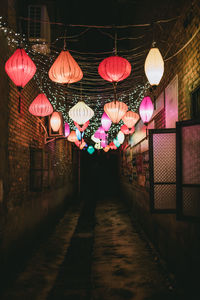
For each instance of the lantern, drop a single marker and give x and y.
(72, 137)
(81, 113)
(100, 133)
(20, 68)
(41, 106)
(146, 110)
(78, 134)
(55, 121)
(104, 143)
(116, 142)
(154, 66)
(115, 110)
(67, 129)
(112, 146)
(105, 122)
(124, 129)
(65, 69)
(83, 144)
(98, 146)
(106, 149)
(90, 150)
(114, 68)
(130, 118)
(77, 143)
(94, 139)
(120, 137)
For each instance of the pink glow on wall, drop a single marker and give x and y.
(105, 122)
(146, 110)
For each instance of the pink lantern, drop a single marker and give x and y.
(115, 110)
(100, 133)
(124, 129)
(105, 122)
(112, 146)
(41, 106)
(130, 118)
(103, 143)
(146, 110)
(67, 129)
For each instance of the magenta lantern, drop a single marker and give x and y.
(41, 107)
(105, 122)
(67, 129)
(100, 133)
(20, 68)
(104, 143)
(146, 110)
(114, 68)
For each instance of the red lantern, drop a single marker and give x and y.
(130, 118)
(20, 68)
(112, 146)
(65, 69)
(41, 106)
(114, 69)
(146, 110)
(115, 110)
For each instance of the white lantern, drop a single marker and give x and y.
(95, 139)
(55, 121)
(81, 113)
(98, 146)
(154, 66)
(120, 137)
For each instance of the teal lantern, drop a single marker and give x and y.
(90, 150)
(117, 143)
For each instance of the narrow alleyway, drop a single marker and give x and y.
(95, 252)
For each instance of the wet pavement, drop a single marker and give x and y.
(96, 252)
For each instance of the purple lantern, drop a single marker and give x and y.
(105, 122)
(100, 133)
(67, 129)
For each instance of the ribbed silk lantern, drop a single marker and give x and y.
(41, 106)
(154, 66)
(114, 68)
(65, 69)
(20, 68)
(72, 137)
(115, 110)
(67, 129)
(55, 121)
(81, 113)
(146, 110)
(120, 137)
(106, 122)
(130, 118)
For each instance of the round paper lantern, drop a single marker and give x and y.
(90, 150)
(81, 113)
(115, 110)
(106, 149)
(120, 137)
(146, 110)
(65, 69)
(130, 118)
(41, 106)
(67, 129)
(105, 122)
(114, 68)
(55, 121)
(72, 137)
(20, 68)
(154, 66)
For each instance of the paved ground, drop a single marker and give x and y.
(94, 253)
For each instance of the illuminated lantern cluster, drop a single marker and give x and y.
(130, 118)
(65, 69)
(114, 68)
(41, 106)
(146, 110)
(154, 66)
(55, 121)
(115, 110)
(20, 68)
(81, 113)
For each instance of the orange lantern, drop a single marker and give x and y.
(55, 121)
(65, 69)
(72, 137)
(130, 118)
(106, 149)
(115, 110)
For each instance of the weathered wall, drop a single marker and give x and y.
(177, 241)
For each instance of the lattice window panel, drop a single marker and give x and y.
(166, 192)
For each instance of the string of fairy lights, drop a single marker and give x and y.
(94, 90)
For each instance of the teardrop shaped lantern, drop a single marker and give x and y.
(72, 137)
(130, 118)
(154, 66)
(20, 68)
(55, 121)
(105, 122)
(81, 113)
(67, 129)
(115, 110)
(120, 137)
(114, 68)
(41, 106)
(65, 69)
(146, 110)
